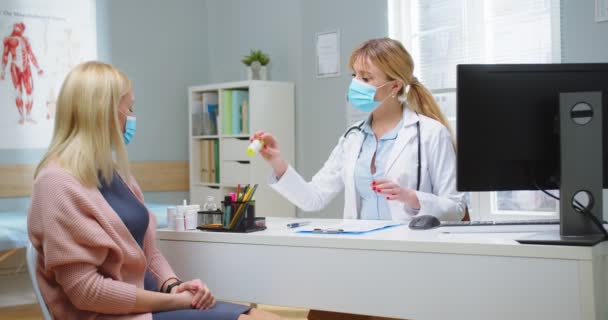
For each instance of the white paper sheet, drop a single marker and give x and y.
(328, 54)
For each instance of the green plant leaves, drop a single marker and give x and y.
(256, 55)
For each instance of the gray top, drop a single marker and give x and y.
(130, 210)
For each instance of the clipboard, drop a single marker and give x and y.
(351, 227)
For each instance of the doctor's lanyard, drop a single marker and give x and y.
(359, 128)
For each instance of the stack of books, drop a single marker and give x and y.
(204, 114)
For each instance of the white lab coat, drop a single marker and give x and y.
(437, 194)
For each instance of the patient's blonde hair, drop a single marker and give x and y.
(87, 128)
(391, 57)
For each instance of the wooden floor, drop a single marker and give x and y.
(31, 312)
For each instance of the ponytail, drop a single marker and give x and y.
(420, 100)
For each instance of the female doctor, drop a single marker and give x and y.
(398, 163)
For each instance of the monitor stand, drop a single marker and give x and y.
(581, 170)
(554, 238)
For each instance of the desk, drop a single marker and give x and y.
(397, 272)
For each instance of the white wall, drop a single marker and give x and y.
(162, 47)
(583, 39)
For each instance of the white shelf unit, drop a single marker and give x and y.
(271, 109)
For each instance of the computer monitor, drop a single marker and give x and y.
(508, 126)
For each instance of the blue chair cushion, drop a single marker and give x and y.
(13, 230)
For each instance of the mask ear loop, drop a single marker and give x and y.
(392, 95)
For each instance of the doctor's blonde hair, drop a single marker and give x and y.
(391, 57)
(87, 130)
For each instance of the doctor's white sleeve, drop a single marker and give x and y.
(444, 201)
(316, 194)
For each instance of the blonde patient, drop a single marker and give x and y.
(94, 237)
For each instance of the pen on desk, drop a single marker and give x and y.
(244, 192)
(297, 224)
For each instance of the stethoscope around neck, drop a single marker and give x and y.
(359, 128)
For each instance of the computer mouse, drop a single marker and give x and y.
(424, 222)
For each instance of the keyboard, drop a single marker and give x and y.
(498, 222)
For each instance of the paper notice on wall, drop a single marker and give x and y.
(328, 54)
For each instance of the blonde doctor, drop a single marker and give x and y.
(397, 164)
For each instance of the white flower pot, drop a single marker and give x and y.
(260, 73)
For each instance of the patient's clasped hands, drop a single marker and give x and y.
(196, 293)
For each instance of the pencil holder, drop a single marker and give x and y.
(242, 215)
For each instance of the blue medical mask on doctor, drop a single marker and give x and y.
(361, 95)
(127, 136)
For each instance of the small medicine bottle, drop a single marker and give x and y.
(254, 147)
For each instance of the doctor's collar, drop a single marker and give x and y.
(409, 116)
(391, 134)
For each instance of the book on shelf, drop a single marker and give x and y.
(197, 115)
(227, 112)
(204, 113)
(210, 103)
(216, 160)
(245, 117)
(209, 160)
(204, 161)
(238, 98)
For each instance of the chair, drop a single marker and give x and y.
(466, 217)
(31, 257)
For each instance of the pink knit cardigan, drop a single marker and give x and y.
(89, 265)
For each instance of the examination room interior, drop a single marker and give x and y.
(166, 47)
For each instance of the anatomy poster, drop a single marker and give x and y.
(41, 42)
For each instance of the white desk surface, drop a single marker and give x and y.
(476, 240)
(398, 272)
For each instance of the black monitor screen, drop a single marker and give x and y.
(508, 126)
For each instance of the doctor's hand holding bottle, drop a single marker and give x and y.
(271, 152)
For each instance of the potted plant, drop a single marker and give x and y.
(256, 62)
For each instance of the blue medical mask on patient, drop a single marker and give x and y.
(361, 95)
(127, 136)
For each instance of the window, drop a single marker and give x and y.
(441, 34)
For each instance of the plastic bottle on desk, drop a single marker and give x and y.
(171, 212)
(180, 222)
(210, 206)
(180, 217)
(192, 216)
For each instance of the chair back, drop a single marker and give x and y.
(466, 217)
(32, 258)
